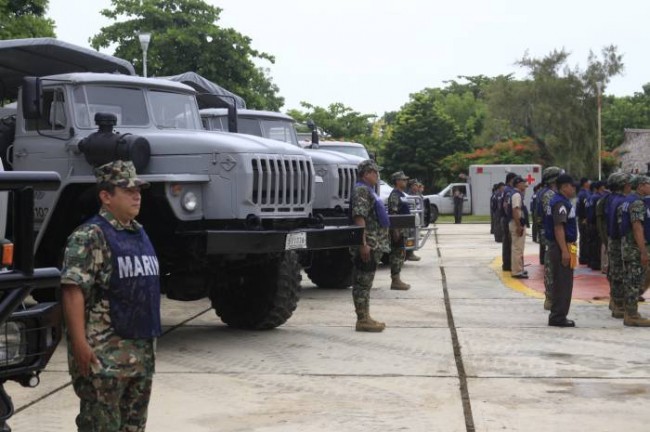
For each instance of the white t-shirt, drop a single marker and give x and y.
(516, 200)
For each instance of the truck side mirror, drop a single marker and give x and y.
(31, 98)
(314, 133)
(232, 118)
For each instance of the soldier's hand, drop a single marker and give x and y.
(566, 258)
(644, 259)
(520, 231)
(365, 253)
(84, 357)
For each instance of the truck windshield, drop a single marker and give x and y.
(351, 150)
(278, 130)
(169, 110)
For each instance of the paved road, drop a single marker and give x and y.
(483, 360)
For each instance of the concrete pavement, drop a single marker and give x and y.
(466, 354)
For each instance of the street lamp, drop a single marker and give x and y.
(599, 86)
(145, 38)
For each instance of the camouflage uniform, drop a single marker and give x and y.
(633, 272)
(115, 396)
(548, 265)
(397, 255)
(363, 204)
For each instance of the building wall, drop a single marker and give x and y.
(634, 153)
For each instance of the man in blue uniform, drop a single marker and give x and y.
(581, 210)
(560, 229)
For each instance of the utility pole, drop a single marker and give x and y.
(144, 38)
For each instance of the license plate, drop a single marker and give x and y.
(296, 240)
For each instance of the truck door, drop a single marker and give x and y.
(40, 145)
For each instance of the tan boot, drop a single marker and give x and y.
(412, 257)
(548, 303)
(398, 284)
(370, 325)
(634, 319)
(617, 307)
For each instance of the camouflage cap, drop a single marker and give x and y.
(619, 179)
(120, 173)
(551, 174)
(368, 165)
(639, 180)
(399, 175)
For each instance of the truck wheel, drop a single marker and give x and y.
(331, 269)
(259, 298)
(434, 214)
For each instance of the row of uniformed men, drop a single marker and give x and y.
(616, 215)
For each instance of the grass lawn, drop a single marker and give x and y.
(442, 219)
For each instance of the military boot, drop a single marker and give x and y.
(398, 285)
(548, 303)
(366, 324)
(411, 256)
(617, 307)
(634, 319)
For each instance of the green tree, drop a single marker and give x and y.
(628, 112)
(186, 37)
(422, 135)
(556, 106)
(25, 19)
(336, 121)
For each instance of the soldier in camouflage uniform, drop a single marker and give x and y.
(549, 176)
(616, 271)
(634, 225)
(397, 236)
(111, 303)
(415, 189)
(369, 212)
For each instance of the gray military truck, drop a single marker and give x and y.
(29, 333)
(228, 214)
(336, 174)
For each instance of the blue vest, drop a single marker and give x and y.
(581, 205)
(625, 225)
(506, 202)
(134, 291)
(591, 207)
(403, 207)
(615, 200)
(570, 228)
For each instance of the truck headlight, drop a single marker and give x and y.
(12, 345)
(189, 201)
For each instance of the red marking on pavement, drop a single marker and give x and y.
(587, 284)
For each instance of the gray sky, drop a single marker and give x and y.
(371, 54)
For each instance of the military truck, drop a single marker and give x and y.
(335, 176)
(29, 333)
(228, 214)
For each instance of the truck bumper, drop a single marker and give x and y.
(396, 221)
(262, 242)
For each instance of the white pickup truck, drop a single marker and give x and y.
(478, 189)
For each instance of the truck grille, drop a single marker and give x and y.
(347, 178)
(282, 183)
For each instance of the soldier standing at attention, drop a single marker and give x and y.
(504, 204)
(397, 206)
(635, 236)
(616, 271)
(517, 225)
(561, 231)
(415, 190)
(111, 303)
(581, 208)
(368, 211)
(550, 176)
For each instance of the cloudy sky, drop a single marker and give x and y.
(371, 54)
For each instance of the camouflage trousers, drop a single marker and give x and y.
(548, 269)
(633, 283)
(396, 259)
(112, 404)
(615, 270)
(363, 274)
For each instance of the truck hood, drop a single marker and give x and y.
(181, 142)
(320, 157)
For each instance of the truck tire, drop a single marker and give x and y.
(7, 134)
(259, 298)
(434, 213)
(331, 269)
